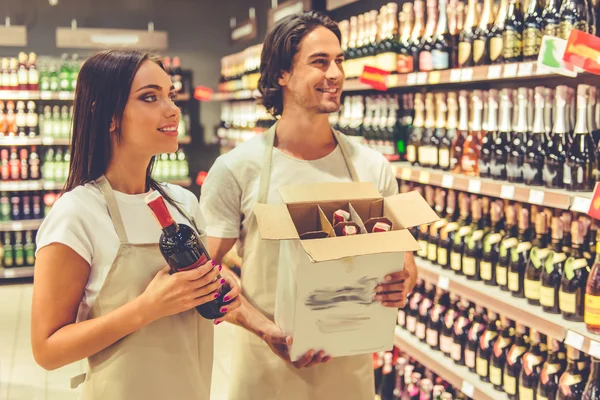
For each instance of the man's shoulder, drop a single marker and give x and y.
(247, 156)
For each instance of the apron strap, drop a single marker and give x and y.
(77, 380)
(263, 186)
(113, 208)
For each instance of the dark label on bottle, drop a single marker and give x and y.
(464, 53)
(405, 64)
(514, 169)
(425, 61)
(532, 40)
(532, 174)
(478, 50)
(441, 59)
(496, 46)
(512, 44)
(484, 167)
(553, 173)
(552, 29)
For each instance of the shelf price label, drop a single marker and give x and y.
(9, 273)
(434, 77)
(443, 283)
(447, 181)
(494, 72)
(466, 75)
(510, 70)
(411, 79)
(422, 78)
(474, 186)
(455, 75)
(536, 197)
(525, 69)
(17, 226)
(594, 349)
(424, 177)
(65, 95)
(406, 174)
(507, 192)
(581, 204)
(574, 340)
(467, 388)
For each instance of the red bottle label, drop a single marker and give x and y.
(405, 64)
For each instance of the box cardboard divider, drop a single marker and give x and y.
(326, 285)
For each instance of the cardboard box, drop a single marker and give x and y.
(326, 286)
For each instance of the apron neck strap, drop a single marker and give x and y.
(265, 175)
(113, 208)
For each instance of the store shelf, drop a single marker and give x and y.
(181, 182)
(37, 95)
(25, 225)
(238, 95)
(16, 272)
(21, 186)
(561, 199)
(573, 333)
(33, 141)
(458, 376)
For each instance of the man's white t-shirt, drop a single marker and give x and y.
(231, 187)
(80, 219)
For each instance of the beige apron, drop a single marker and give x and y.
(257, 373)
(171, 358)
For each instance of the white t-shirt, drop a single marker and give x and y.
(231, 187)
(80, 219)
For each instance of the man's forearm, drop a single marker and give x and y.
(249, 318)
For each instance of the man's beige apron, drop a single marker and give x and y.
(257, 373)
(171, 358)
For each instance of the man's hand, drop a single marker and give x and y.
(393, 292)
(279, 344)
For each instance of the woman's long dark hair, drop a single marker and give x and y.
(103, 87)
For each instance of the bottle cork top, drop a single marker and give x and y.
(577, 232)
(524, 219)
(541, 223)
(557, 228)
(511, 215)
(476, 209)
(496, 211)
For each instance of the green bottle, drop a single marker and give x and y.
(19, 250)
(8, 251)
(29, 249)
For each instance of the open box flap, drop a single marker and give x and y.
(409, 209)
(275, 222)
(329, 249)
(331, 191)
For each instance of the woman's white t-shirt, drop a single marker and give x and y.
(231, 187)
(80, 219)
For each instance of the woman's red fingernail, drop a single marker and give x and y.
(216, 295)
(217, 322)
(220, 267)
(213, 262)
(224, 310)
(223, 281)
(226, 298)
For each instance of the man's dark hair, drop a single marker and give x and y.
(279, 48)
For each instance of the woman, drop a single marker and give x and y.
(101, 288)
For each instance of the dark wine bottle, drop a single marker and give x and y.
(573, 15)
(405, 61)
(477, 329)
(553, 270)
(514, 362)
(491, 245)
(448, 159)
(551, 18)
(572, 382)
(496, 35)
(507, 244)
(488, 143)
(551, 371)
(434, 229)
(536, 144)
(481, 55)
(461, 329)
(556, 152)
(516, 157)
(427, 153)
(473, 244)
(537, 258)
(417, 33)
(183, 251)
(592, 388)
(485, 347)
(532, 31)
(462, 132)
(592, 294)
(502, 146)
(467, 37)
(574, 279)
(447, 334)
(519, 256)
(439, 133)
(512, 36)
(502, 344)
(458, 245)
(424, 308)
(412, 314)
(414, 139)
(436, 318)
(447, 232)
(533, 360)
(427, 42)
(442, 40)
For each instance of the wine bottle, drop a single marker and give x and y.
(427, 153)
(386, 58)
(488, 144)
(481, 55)
(458, 245)
(447, 333)
(403, 313)
(536, 144)
(424, 308)
(29, 249)
(592, 294)
(183, 251)
(473, 244)
(477, 329)
(533, 360)
(9, 253)
(502, 146)
(573, 15)
(537, 258)
(447, 232)
(388, 377)
(412, 314)
(574, 278)
(532, 31)
(437, 140)
(448, 161)
(592, 388)
(551, 18)
(502, 344)
(472, 146)
(442, 41)
(456, 16)
(467, 37)
(417, 33)
(507, 244)
(485, 347)
(512, 35)
(462, 132)
(491, 245)
(516, 157)
(461, 329)
(551, 371)
(351, 68)
(405, 61)
(427, 42)
(423, 237)
(519, 256)
(514, 362)
(566, 219)
(556, 151)
(434, 229)
(414, 140)
(436, 318)
(581, 157)
(572, 382)
(496, 35)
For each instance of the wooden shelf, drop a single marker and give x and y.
(458, 376)
(24, 225)
(70, 96)
(239, 95)
(561, 199)
(21, 186)
(34, 141)
(16, 272)
(491, 297)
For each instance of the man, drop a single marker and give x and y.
(301, 82)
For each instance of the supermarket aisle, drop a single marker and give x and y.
(22, 379)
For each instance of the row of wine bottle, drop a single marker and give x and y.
(522, 362)
(532, 253)
(400, 377)
(455, 35)
(535, 136)
(17, 249)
